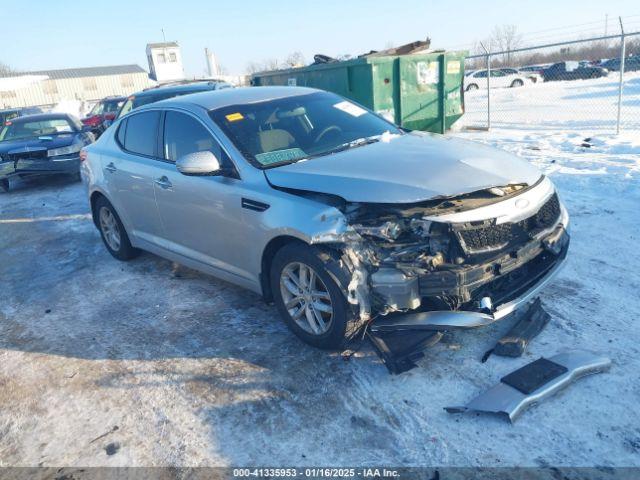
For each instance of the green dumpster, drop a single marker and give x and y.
(420, 91)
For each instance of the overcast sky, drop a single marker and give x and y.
(64, 34)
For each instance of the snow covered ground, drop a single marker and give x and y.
(166, 366)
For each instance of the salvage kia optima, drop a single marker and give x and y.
(341, 218)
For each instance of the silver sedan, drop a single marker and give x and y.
(339, 217)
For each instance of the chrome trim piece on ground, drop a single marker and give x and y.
(503, 399)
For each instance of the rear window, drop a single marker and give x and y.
(18, 129)
(141, 134)
(134, 102)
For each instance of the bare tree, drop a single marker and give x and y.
(505, 38)
(271, 64)
(254, 67)
(4, 69)
(294, 59)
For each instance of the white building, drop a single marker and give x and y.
(165, 61)
(49, 87)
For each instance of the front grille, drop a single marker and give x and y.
(475, 239)
(34, 155)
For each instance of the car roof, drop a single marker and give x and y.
(233, 96)
(177, 89)
(113, 99)
(40, 116)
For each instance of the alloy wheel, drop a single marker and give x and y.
(110, 229)
(306, 298)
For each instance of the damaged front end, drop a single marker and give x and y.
(450, 263)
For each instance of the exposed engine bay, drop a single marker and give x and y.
(403, 258)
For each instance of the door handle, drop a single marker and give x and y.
(111, 167)
(163, 182)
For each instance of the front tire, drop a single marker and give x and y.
(472, 87)
(517, 83)
(308, 298)
(112, 231)
(4, 185)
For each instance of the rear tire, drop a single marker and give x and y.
(112, 231)
(517, 83)
(4, 185)
(308, 298)
(471, 87)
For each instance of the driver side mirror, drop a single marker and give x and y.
(199, 163)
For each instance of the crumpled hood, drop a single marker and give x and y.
(32, 144)
(407, 169)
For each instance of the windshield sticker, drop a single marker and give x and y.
(234, 117)
(350, 108)
(280, 156)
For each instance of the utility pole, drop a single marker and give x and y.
(488, 86)
(621, 85)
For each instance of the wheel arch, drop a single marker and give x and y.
(330, 255)
(269, 251)
(93, 199)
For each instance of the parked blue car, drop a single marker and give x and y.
(9, 113)
(42, 144)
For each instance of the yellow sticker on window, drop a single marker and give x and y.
(234, 117)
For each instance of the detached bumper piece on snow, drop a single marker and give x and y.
(534, 382)
(514, 343)
(400, 349)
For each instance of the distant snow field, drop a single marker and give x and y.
(587, 106)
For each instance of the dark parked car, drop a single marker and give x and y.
(105, 109)
(156, 94)
(48, 143)
(572, 71)
(9, 113)
(631, 64)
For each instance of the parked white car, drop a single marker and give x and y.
(500, 78)
(533, 77)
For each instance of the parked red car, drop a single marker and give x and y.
(105, 109)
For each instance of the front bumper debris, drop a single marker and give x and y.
(515, 342)
(400, 349)
(422, 325)
(534, 382)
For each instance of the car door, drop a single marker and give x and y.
(499, 79)
(129, 174)
(201, 215)
(480, 78)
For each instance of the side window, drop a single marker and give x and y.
(183, 134)
(142, 133)
(482, 74)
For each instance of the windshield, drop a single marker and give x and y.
(17, 130)
(285, 130)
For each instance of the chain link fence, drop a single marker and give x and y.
(591, 85)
